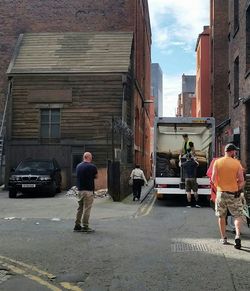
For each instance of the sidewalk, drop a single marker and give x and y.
(63, 206)
(144, 192)
(105, 207)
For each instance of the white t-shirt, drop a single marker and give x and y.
(138, 174)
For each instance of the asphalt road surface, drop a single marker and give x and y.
(156, 245)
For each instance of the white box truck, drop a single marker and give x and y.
(168, 143)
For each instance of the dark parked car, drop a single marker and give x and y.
(35, 176)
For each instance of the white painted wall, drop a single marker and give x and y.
(174, 142)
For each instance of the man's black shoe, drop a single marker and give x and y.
(237, 243)
(78, 228)
(87, 229)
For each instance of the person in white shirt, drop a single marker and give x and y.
(139, 179)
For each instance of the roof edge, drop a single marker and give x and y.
(15, 53)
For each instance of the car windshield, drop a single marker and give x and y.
(39, 166)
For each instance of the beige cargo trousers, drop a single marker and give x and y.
(85, 201)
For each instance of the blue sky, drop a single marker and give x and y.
(175, 26)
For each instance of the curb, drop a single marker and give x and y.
(147, 190)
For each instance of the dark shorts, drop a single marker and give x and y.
(191, 184)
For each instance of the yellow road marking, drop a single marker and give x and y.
(13, 268)
(69, 286)
(32, 277)
(20, 271)
(33, 268)
(42, 282)
(146, 209)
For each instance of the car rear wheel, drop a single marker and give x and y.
(12, 193)
(53, 189)
(58, 189)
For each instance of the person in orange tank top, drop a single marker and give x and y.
(227, 176)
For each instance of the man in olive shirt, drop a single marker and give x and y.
(228, 178)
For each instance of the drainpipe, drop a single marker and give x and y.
(124, 84)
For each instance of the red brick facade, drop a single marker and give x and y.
(230, 46)
(219, 59)
(203, 88)
(219, 69)
(239, 107)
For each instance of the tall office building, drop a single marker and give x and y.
(156, 84)
(186, 105)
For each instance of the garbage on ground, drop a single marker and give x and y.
(73, 192)
(101, 193)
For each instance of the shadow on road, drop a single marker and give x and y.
(180, 201)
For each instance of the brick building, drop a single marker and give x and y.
(53, 16)
(239, 77)
(230, 43)
(219, 70)
(203, 88)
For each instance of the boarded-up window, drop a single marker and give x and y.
(50, 123)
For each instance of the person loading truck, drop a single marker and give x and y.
(188, 146)
(189, 172)
(171, 143)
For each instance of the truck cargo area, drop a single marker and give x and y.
(168, 143)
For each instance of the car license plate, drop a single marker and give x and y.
(28, 185)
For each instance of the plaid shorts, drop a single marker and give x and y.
(225, 201)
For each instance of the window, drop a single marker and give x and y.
(248, 39)
(236, 80)
(236, 15)
(50, 123)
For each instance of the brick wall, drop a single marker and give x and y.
(239, 111)
(203, 86)
(219, 59)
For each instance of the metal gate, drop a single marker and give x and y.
(114, 180)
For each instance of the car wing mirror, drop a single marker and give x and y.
(12, 170)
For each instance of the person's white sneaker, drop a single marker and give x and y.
(223, 241)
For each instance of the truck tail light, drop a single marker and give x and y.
(204, 186)
(161, 186)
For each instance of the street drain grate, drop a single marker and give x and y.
(185, 247)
